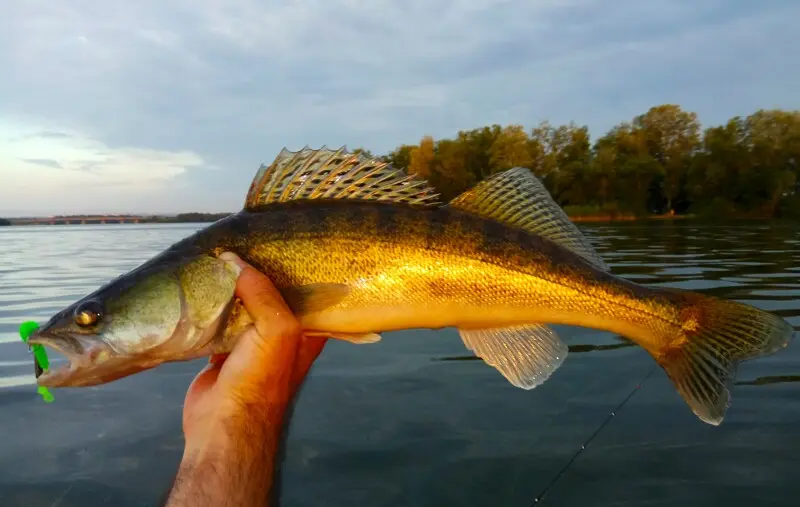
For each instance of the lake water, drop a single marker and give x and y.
(405, 422)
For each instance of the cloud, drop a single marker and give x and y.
(45, 134)
(234, 82)
(47, 162)
(79, 172)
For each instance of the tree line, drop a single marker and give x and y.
(660, 162)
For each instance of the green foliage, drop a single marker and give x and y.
(363, 151)
(659, 162)
(3, 222)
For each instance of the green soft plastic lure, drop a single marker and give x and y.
(39, 352)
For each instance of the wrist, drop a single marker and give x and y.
(232, 462)
(237, 433)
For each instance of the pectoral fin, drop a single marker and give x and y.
(525, 355)
(314, 297)
(358, 338)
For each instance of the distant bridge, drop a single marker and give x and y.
(78, 219)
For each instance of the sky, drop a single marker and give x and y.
(113, 106)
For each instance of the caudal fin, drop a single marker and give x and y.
(716, 335)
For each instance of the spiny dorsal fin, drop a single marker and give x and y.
(334, 174)
(516, 197)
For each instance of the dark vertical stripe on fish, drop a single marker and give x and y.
(386, 222)
(437, 223)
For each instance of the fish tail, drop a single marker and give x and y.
(715, 336)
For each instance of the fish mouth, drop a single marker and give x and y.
(83, 357)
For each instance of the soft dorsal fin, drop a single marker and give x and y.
(516, 197)
(334, 174)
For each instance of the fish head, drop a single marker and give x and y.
(165, 310)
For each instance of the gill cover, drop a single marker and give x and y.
(163, 308)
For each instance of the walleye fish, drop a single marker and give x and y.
(357, 248)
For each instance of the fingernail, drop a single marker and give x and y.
(233, 261)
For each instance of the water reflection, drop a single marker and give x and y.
(573, 349)
(762, 381)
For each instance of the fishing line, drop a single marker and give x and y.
(613, 413)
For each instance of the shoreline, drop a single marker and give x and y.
(575, 218)
(580, 218)
(627, 218)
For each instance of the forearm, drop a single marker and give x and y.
(234, 467)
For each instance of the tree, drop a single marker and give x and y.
(635, 169)
(572, 182)
(421, 159)
(476, 145)
(451, 175)
(511, 148)
(716, 175)
(363, 151)
(671, 137)
(400, 157)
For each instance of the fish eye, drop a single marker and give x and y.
(88, 314)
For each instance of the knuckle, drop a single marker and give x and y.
(281, 327)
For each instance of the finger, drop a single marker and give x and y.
(278, 329)
(270, 378)
(264, 356)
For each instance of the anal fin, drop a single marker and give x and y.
(525, 355)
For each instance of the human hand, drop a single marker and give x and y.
(238, 396)
(235, 408)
